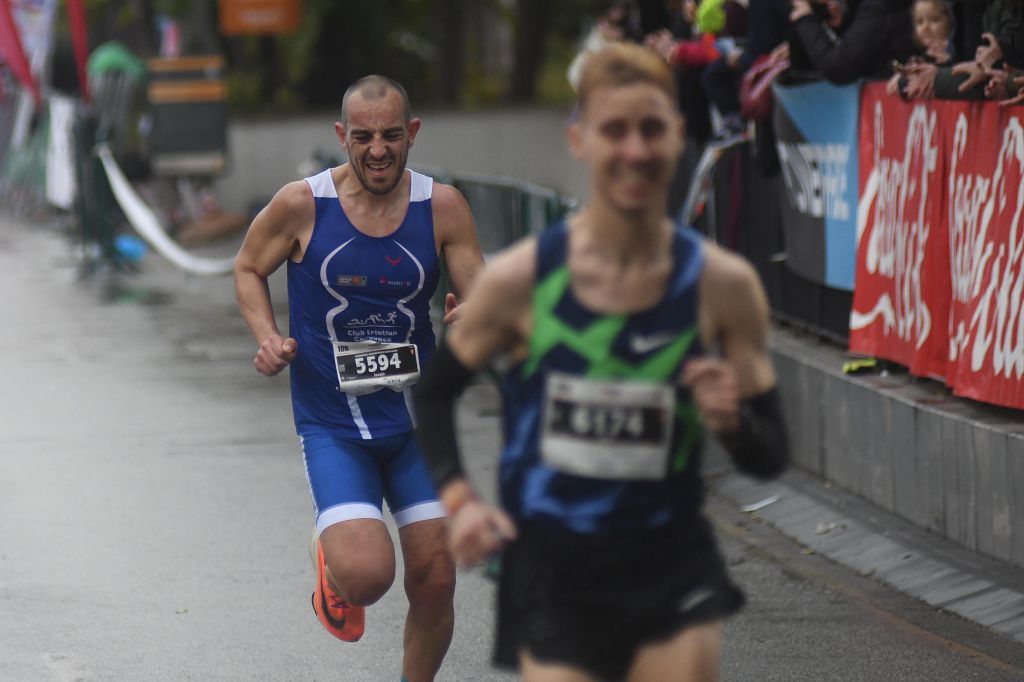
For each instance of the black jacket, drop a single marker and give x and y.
(874, 34)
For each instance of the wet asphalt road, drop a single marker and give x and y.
(154, 513)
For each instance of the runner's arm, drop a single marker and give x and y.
(493, 320)
(457, 239)
(271, 239)
(737, 393)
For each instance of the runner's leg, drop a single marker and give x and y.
(346, 482)
(360, 559)
(693, 655)
(429, 570)
(430, 586)
(535, 671)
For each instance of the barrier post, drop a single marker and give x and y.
(95, 204)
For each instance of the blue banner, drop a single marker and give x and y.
(817, 128)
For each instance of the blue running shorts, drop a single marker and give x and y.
(349, 479)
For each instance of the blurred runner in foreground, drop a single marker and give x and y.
(628, 335)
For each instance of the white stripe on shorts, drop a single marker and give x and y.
(424, 511)
(346, 512)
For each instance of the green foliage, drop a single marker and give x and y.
(342, 40)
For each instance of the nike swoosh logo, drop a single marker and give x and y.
(340, 624)
(645, 344)
(695, 598)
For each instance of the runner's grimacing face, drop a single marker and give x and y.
(377, 139)
(630, 137)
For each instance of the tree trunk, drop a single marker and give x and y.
(451, 21)
(531, 36)
(148, 41)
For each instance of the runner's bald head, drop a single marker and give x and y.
(375, 87)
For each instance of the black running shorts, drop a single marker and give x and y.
(592, 601)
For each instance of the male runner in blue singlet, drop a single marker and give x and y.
(363, 242)
(610, 570)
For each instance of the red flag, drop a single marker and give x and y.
(13, 52)
(80, 40)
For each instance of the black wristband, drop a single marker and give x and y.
(760, 445)
(434, 398)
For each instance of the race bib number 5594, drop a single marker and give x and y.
(368, 367)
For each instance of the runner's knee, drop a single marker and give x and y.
(359, 571)
(431, 580)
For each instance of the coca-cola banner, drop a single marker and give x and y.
(940, 249)
(816, 136)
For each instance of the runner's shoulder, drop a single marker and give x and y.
(291, 206)
(446, 200)
(727, 273)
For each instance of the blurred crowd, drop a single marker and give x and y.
(723, 49)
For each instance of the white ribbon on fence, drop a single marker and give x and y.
(147, 224)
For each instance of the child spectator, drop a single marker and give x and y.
(1002, 47)
(933, 32)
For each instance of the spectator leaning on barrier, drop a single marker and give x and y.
(933, 32)
(854, 39)
(991, 74)
(720, 29)
(766, 28)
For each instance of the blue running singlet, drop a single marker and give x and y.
(351, 293)
(600, 438)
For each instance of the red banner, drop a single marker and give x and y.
(940, 255)
(13, 52)
(80, 43)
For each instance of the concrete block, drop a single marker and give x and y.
(983, 447)
(835, 430)
(956, 588)
(808, 450)
(950, 478)
(929, 468)
(908, 501)
(1015, 469)
(995, 444)
(966, 489)
(989, 608)
(858, 401)
(879, 485)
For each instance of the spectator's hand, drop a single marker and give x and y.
(609, 30)
(921, 80)
(1017, 81)
(275, 354)
(733, 59)
(975, 75)
(988, 55)
(478, 530)
(801, 9)
(939, 51)
(892, 87)
(996, 88)
(662, 42)
(836, 12)
(780, 53)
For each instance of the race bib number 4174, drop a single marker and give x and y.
(607, 429)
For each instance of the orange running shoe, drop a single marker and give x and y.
(340, 618)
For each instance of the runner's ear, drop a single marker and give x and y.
(575, 135)
(413, 128)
